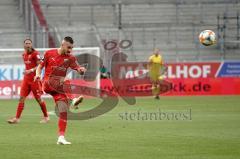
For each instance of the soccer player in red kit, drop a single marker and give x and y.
(31, 59)
(56, 63)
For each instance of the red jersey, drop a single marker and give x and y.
(57, 65)
(31, 61)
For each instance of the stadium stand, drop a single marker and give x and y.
(12, 31)
(171, 25)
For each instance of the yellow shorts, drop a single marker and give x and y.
(155, 76)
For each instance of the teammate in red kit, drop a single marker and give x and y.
(31, 59)
(56, 63)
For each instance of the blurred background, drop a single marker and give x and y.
(141, 25)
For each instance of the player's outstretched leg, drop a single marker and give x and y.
(68, 91)
(20, 108)
(77, 101)
(62, 122)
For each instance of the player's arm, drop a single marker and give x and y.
(41, 64)
(81, 70)
(37, 59)
(163, 68)
(75, 66)
(32, 69)
(38, 72)
(29, 71)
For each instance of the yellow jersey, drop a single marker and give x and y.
(156, 63)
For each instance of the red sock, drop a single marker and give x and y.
(62, 123)
(44, 109)
(19, 110)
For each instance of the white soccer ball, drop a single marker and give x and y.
(207, 37)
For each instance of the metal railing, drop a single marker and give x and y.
(39, 34)
(32, 24)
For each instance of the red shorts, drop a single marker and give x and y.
(56, 91)
(28, 86)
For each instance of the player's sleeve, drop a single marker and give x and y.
(150, 59)
(74, 64)
(37, 57)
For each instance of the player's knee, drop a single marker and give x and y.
(62, 106)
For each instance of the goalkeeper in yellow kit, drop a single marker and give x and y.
(156, 72)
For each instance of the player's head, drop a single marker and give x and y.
(67, 45)
(156, 51)
(28, 45)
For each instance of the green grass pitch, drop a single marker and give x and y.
(196, 128)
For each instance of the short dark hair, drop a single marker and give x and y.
(27, 39)
(68, 39)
